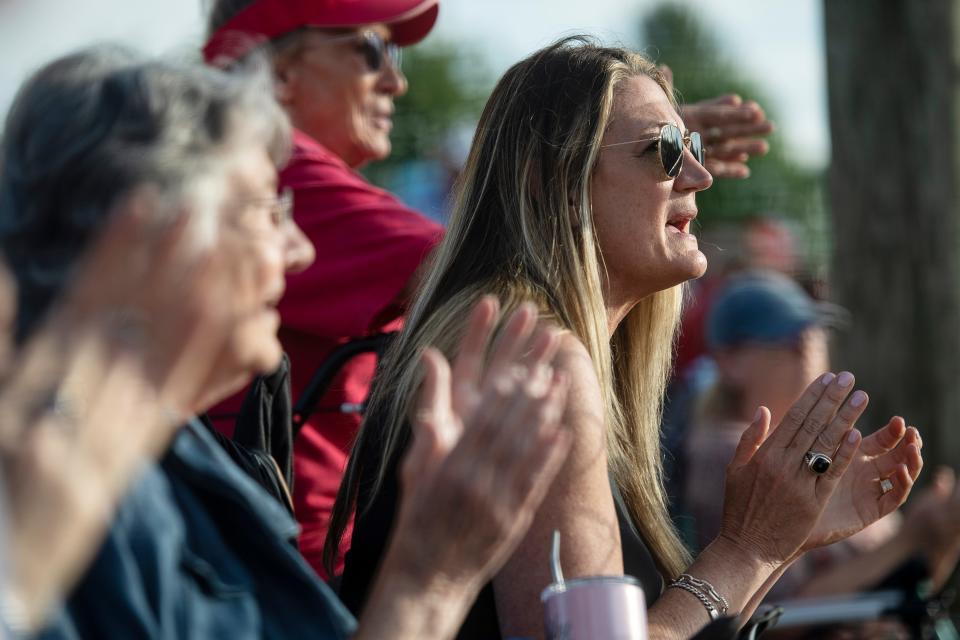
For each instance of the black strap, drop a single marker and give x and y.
(264, 421)
(306, 404)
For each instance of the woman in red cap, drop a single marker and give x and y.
(337, 73)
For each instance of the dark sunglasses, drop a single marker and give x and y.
(670, 143)
(374, 49)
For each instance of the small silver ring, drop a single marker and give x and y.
(886, 486)
(819, 463)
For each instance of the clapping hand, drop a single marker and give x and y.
(877, 482)
(487, 442)
(813, 480)
(98, 389)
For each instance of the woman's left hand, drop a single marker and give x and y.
(891, 453)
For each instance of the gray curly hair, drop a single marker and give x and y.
(90, 127)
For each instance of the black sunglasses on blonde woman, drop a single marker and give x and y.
(670, 142)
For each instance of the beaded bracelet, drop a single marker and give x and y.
(711, 610)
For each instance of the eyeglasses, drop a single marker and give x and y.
(671, 142)
(374, 49)
(279, 207)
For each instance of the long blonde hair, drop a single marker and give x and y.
(522, 229)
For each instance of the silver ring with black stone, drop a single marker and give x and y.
(819, 463)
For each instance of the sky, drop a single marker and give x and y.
(779, 43)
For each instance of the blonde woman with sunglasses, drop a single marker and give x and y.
(579, 193)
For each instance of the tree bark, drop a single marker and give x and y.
(893, 200)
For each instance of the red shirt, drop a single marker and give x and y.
(368, 244)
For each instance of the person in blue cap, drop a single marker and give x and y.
(767, 341)
(768, 338)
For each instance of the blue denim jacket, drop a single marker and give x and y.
(198, 550)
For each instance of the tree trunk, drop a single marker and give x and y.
(893, 191)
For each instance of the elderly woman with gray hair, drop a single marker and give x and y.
(182, 160)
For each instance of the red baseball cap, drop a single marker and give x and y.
(409, 20)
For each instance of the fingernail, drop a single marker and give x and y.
(756, 416)
(859, 397)
(827, 379)
(852, 436)
(845, 379)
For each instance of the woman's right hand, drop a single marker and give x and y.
(488, 441)
(773, 500)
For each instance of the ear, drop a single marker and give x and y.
(286, 78)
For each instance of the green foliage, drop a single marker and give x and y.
(675, 36)
(449, 85)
